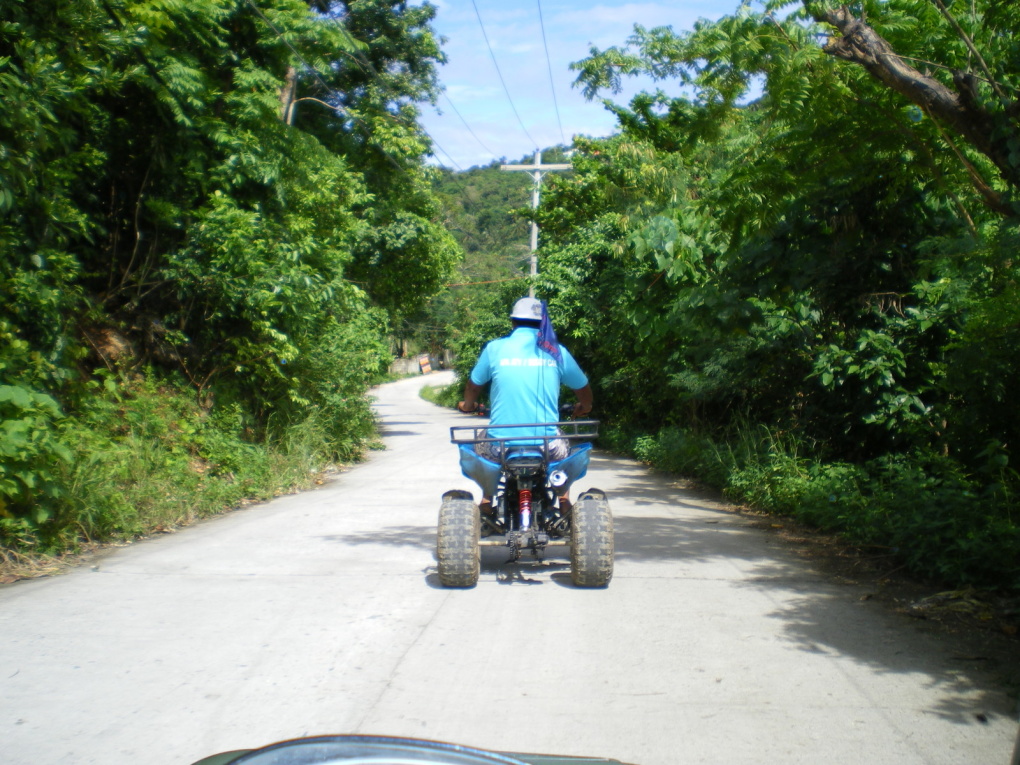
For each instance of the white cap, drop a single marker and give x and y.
(528, 309)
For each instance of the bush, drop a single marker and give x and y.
(939, 521)
(443, 395)
(148, 456)
(142, 454)
(336, 372)
(31, 456)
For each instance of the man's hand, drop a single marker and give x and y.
(585, 401)
(470, 403)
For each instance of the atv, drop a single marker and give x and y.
(526, 514)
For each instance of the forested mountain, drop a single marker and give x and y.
(799, 281)
(210, 213)
(487, 210)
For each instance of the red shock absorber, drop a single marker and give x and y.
(525, 500)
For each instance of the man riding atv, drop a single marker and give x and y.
(526, 369)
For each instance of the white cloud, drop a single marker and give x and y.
(462, 93)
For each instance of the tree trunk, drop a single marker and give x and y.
(287, 97)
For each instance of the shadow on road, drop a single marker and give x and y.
(816, 621)
(817, 614)
(420, 537)
(494, 560)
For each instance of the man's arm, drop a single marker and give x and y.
(585, 400)
(472, 390)
(470, 402)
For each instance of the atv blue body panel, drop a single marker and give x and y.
(485, 472)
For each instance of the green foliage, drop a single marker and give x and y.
(348, 357)
(828, 262)
(141, 455)
(484, 209)
(31, 454)
(479, 208)
(487, 212)
(402, 256)
(147, 457)
(229, 194)
(404, 260)
(492, 321)
(921, 507)
(447, 395)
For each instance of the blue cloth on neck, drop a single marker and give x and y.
(547, 335)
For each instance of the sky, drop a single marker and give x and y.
(514, 30)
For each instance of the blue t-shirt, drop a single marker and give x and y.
(525, 382)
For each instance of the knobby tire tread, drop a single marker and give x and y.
(591, 548)
(457, 549)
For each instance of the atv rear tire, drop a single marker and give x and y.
(457, 544)
(591, 543)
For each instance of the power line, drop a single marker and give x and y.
(505, 89)
(493, 281)
(472, 132)
(548, 62)
(360, 59)
(337, 107)
(452, 160)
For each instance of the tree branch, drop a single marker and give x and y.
(960, 109)
(971, 47)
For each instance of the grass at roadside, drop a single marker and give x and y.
(936, 521)
(144, 457)
(441, 395)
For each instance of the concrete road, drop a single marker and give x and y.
(321, 613)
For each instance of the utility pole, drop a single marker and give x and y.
(536, 170)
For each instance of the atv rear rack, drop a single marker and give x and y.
(570, 430)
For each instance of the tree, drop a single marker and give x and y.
(202, 225)
(824, 261)
(403, 256)
(980, 104)
(197, 190)
(969, 87)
